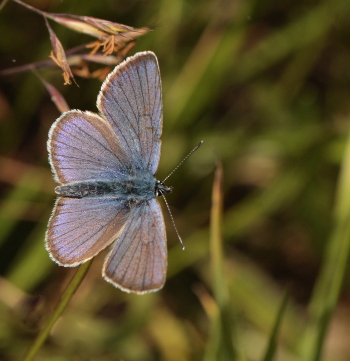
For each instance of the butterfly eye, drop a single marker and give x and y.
(161, 189)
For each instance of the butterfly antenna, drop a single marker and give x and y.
(172, 219)
(192, 151)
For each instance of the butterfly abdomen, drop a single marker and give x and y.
(141, 188)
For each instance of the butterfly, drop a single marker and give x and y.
(105, 164)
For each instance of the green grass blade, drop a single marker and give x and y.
(66, 297)
(221, 346)
(272, 344)
(328, 286)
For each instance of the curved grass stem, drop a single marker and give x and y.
(62, 304)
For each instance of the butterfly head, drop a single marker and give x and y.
(161, 188)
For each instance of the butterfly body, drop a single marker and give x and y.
(138, 187)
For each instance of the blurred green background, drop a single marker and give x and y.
(266, 85)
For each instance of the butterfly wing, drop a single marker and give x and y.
(80, 228)
(138, 260)
(83, 146)
(131, 101)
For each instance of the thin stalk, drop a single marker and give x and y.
(330, 280)
(272, 345)
(62, 304)
(43, 13)
(2, 5)
(221, 345)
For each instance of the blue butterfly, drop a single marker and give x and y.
(105, 164)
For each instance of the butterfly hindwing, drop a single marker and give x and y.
(80, 228)
(138, 260)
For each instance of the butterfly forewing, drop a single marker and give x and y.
(82, 146)
(138, 261)
(131, 101)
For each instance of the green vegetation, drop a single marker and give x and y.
(263, 206)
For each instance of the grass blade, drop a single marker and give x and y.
(66, 297)
(328, 286)
(272, 344)
(221, 346)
